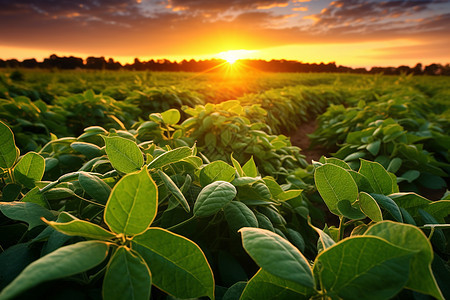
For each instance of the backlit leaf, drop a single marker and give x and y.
(178, 265)
(133, 203)
(124, 154)
(213, 198)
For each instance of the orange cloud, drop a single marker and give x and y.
(300, 8)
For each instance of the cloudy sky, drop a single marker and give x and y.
(353, 33)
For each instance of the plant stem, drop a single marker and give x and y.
(341, 227)
(182, 223)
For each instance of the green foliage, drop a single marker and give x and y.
(128, 204)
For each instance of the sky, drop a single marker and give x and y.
(356, 33)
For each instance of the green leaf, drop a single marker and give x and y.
(8, 150)
(349, 211)
(82, 228)
(29, 169)
(63, 262)
(174, 190)
(410, 201)
(87, 149)
(267, 286)
(11, 191)
(178, 265)
(127, 276)
(335, 184)
(124, 154)
(237, 166)
(95, 187)
(389, 205)
(439, 209)
(249, 168)
(325, 240)
(277, 256)
(361, 181)
(35, 196)
(363, 267)
(28, 212)
(379, 178)
(370, 207)
(409, 237)
(409, 176)
(133, 203)
(274, 187)
(213, 198)
(287, 195)
(374, 147)
(171, 116)
(394, 165)
(238, 215)
(170, 157)
(216, 171)
(337, 162)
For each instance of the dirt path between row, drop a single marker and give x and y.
(299, 138)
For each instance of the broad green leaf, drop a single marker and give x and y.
(335, 184)
(174, 190)
(170, 157)
(394, 165)
(277, 256)
(238, 215)
(29, 169)
(133, 203)
(35, 196)
(389, 205)
(274, 187)
(213, 198)
(82, 228)
(337, 162)
(235, 291)
(296, 239)
(374, 147)
(264, 221)
(241, 181)
(237, 166)
(267, 286)
(87, 149)
(171, 116)
(409, 176)
(273, 214)
(410, 201)
(350, 211)
(379, 178)
(124, 154)
(439, 209)
(362, 182)
(216, 171)
(409, 237)
(363, 267)
(178, 265)
(63, 262)
(127, 277)
(95, 187)
(370, 207)
(288, 195)
(8, 150)
(28, 212)
(249, 168)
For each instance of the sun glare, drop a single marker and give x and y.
(232, 56)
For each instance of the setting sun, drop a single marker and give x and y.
(232, 56)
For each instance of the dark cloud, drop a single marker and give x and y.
(220, 5)
(356, 12)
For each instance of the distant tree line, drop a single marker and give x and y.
(100, 63)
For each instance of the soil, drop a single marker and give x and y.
(299, 138)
